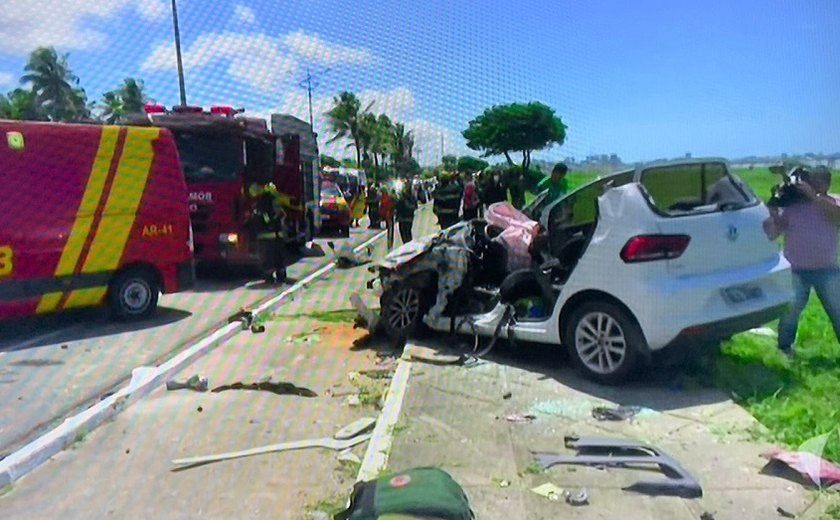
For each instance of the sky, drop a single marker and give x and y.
(644, 79)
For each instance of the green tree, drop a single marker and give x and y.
(20, 104)
(403, 150)
(55, 85)
(468, 164)
(345, 120)
(518, 127)
(130, 98)
(133, 95)
(328, 161)
(450, 163)
(112, 108)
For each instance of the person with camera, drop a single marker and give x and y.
(810, 223)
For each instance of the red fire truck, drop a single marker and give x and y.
(223, 155)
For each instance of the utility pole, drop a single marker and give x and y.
(178, 55)
(441, 148)
(310, 83)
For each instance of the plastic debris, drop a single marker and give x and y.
(518, 418)
(784, 513)
(581, 498)
(195, 383)
(549, 491)
(820, 471)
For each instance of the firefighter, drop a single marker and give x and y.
(268, 223)
(406, 206)
(447, 199)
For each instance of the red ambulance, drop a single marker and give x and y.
(91, 214)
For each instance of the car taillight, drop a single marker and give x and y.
(645, 248)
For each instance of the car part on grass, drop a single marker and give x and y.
(820, 471)
(580, 498)
(245, 317)
(594, 451)
(326, 442)
(346, 257)
(279, 388)
(619, 413)
(196, 383)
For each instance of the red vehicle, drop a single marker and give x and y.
(91, 214)
(335, 209)
(223, 155)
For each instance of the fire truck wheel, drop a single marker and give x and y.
(133, 294)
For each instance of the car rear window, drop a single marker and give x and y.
(692, 188)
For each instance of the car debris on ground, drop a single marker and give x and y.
(619, 413)
(818, 470)
(594, 451)
(195, 383)
(331, 443)
(346, 257)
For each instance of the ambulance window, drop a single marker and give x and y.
(206, 158)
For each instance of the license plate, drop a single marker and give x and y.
(742, 293)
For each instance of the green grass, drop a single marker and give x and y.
(338, 316)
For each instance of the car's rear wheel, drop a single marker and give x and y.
(402, 311)
(604, 342)
(133, 294)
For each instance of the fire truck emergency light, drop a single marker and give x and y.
(222, 110)
(152, 108)
(181, 109)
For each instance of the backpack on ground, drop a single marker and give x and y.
(422, 493)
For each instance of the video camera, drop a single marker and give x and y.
(786, 193)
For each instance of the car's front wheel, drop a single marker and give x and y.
(402, 311)
(604, 342)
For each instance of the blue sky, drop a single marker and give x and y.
(645, 80)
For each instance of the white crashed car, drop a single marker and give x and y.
(625, 267)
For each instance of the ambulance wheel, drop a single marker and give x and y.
(133, 294)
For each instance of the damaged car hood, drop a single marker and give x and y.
(419, 246)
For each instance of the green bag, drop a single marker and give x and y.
(422, 493)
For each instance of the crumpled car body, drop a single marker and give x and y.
(617, 274)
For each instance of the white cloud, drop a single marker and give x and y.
(78, 25)
(152, 10)
(6, 78)
(256, 60)
(313, 47)
(244, 14)
(427, 141)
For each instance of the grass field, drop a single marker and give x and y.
(795, 400)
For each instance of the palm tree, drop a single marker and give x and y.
(403, 148)
(20, 104)
(367, 137)
(53, 84)
(112, 108)
(345, 120)
(384, 140)
(133, 96)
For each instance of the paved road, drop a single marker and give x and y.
(123, 469)
(54, 365)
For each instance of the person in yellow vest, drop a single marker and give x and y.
(268, 223)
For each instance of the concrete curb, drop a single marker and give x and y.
(379, 448)
(143, 381)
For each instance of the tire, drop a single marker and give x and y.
(134, 294)
(596, 360)
(402, 311)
